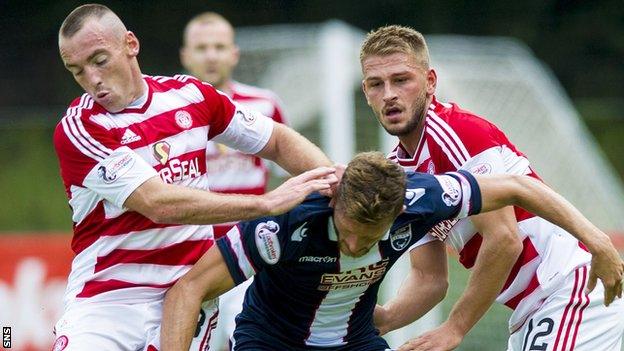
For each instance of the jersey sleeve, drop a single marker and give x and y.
(90, 157)
(430, 199)
(234, 125)
(251, 246)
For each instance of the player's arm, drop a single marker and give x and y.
(502, 246)
(498, 191)
(423, 288)
(208, 279)
(291, 151)
(167, 203)
(535, 197)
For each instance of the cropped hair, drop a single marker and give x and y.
(372, 189)
(393, 39)
(75, 20)
(206, 18)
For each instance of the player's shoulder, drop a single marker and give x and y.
(77, 116)
(312, 207)
(449, 115)
(178, 81)
(249, 91)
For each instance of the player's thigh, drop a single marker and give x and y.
(100, 327)
(206, 322)
(571, 320)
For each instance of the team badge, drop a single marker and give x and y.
(61, 343)
(183, 119)
(161, 151)
(267, 242)
(115, 168)
(401, 237)
(483, 168)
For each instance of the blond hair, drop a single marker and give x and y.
(393, 39)
(372, 189)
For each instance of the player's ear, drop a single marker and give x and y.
(132, 43)
(235, 55)
(403, 209)
(365, 95)
(432, 81)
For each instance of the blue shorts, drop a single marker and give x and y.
(250, 338)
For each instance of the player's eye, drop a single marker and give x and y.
(101, 60)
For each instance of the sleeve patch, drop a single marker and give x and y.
(267, 241)
(115, 168)
(451, 190)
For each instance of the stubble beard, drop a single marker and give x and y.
(420, 110)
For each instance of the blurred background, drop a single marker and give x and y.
(549, 73)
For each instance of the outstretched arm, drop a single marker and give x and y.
(166, 203)
(535, 197)
(208, 279)
(500, 244)
(423, 288)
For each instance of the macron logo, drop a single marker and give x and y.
(413, 195)
(299, 233)
(129, 137)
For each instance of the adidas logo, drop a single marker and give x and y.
(129, 137)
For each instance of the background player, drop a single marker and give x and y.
(132, 156)
(437, 137)
(209, 52)
(318, 268)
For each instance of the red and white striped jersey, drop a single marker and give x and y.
(231, 171)
(454, 138)
(121, 255)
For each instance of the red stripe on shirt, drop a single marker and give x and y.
(96, 287)
(184, 253)
(514, 301)
(528, 254)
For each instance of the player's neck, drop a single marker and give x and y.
(225, 87)
(411, 140)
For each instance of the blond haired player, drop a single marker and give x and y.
(518, 259)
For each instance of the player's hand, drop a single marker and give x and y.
(293, 191)
(607, 266)
(340, 169)
(380, 319)
(442, 338)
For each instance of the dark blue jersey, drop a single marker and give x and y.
(305, 293)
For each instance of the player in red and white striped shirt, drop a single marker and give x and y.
(210, 54)
(132, 157)
(534, 267)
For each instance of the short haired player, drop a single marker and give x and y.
(318, 267)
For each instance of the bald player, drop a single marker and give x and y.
(132, 155)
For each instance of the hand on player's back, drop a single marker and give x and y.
(293, 191)
(442, 338)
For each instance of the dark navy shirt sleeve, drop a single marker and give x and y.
(253, 245)
(430, 199)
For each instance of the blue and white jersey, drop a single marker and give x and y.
(306, 293)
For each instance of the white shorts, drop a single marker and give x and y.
(105, 326)
(569, 319)
(230, 305)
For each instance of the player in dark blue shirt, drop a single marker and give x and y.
(318, 267)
